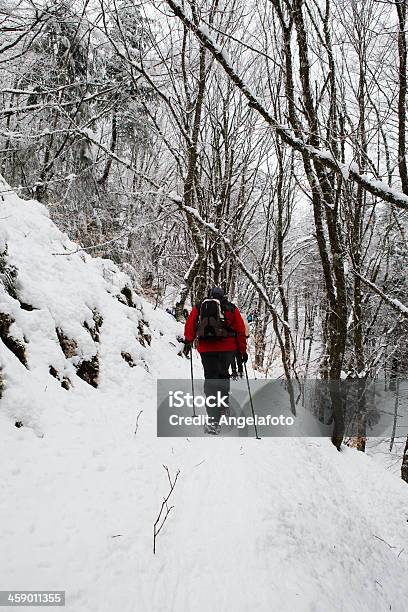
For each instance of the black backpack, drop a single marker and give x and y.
(211, 319)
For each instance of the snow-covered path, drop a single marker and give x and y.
(273, 526)
(287, 525)
(270, 524)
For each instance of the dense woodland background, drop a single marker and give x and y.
(256, 145)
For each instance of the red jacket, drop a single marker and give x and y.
(231, 343)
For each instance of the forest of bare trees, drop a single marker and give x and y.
(260, 146)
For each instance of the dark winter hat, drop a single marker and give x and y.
(217, 293)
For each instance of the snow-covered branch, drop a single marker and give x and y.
(376, 188)
(392, 302)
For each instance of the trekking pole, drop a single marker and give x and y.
(250, 399)
(192, 379)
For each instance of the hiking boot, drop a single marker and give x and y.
(212, 428)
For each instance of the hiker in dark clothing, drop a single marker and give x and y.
(237, 366)
(218, 329)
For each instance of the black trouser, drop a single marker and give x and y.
(239, 361)
(237, 364)
(216, 373)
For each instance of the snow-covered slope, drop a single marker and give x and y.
(276, 524)
(73, 320)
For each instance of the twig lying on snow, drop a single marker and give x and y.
(137, 422)
(157, 527)
(378, 538)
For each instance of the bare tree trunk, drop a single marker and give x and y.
(322, 185)
(186, 287)
(114, 137)
(404, 466)
(394, 424)
(189, 194)
(357, 214)
(401, 6)
(280, 237)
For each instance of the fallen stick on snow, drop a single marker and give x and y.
(137, 422)
(164, 506)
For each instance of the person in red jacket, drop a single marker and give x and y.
(216, 351)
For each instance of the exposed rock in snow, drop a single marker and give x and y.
(66, 318)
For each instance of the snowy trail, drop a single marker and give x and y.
(260, 535)
(279, 510)
(254, 522)
(288, 525)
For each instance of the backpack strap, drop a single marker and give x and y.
(198, 306)
(225, 305)
(229, 307)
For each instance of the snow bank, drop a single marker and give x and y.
(77, 323)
